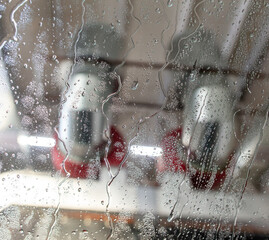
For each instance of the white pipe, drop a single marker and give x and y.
(236, 27)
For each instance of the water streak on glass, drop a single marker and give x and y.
(4, 40)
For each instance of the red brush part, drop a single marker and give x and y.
(84, 170)
(117, 148)
(171, 162)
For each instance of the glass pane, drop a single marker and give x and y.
(134, 119)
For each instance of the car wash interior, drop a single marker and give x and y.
(132, 119)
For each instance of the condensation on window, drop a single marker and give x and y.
(134, 119)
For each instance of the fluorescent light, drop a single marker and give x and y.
(36, 141)
(146, 151)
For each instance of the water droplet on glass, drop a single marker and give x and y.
(134, 85)
(54, 57)
(170, 217)
(169, 3)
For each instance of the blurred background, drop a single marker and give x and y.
(134, 119)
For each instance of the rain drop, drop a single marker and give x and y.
(169, 3)
(134, 85)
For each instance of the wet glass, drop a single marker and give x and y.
(134, 119)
